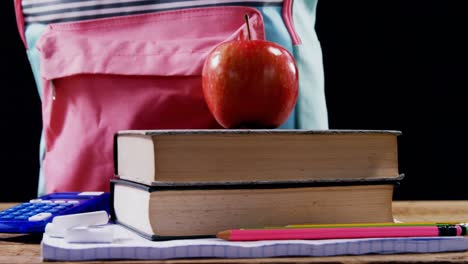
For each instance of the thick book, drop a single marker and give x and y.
(244, 156)
(128, 245)
(177, 211)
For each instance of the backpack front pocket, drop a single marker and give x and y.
(134, 72)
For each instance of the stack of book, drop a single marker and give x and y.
(195, 183)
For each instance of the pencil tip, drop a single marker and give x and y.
(224, 234)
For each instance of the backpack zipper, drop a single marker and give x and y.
(289, 22)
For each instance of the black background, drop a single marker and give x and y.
(399, 65)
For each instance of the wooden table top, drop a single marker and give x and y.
(26, 248)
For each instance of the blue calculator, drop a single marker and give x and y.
(33, 216)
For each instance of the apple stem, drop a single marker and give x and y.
(248, 25)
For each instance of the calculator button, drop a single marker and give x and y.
(21, 217)
(73, 202)
(7, 217)
(59, 201)
(35, 201)
(39, 217)
(46, 201)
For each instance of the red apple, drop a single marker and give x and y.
(250, 84)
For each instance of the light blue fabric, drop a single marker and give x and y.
(311, 106)
(32, 33)
(310, 111)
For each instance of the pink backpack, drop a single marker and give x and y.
(123, 64)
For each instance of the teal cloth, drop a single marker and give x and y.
(311, 106)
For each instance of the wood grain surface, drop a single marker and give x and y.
(16, 248)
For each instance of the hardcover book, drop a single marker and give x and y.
(173, 210)
(152, 157)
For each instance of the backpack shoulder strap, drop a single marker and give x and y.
(20, 21)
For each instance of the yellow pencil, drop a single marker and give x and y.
(374, 224)
(365, 225)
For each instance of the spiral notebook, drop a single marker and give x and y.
(129, 245)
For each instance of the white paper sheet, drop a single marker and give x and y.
(129, 245)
